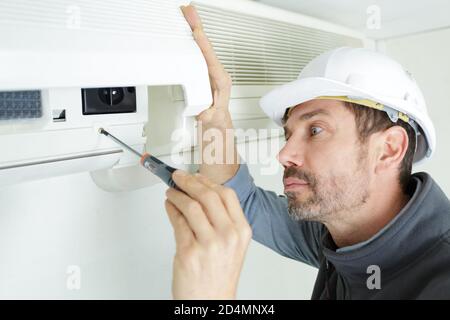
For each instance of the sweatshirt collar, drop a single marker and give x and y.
(415, 229)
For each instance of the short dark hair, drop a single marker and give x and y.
(369, 121)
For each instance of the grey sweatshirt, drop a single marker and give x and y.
(408, 259)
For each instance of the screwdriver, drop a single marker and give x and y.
(156, 166)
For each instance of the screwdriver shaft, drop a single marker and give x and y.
(148, 161)
(123, 144)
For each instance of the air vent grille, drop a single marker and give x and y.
(260, 51)
(160, 18)
(20, 105)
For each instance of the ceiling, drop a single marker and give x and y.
(397, 17)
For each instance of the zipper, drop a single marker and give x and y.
(327, 284)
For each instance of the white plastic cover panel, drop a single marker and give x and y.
(101, 43)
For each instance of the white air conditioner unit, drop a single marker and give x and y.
(52, 49)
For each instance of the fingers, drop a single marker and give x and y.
(192, 17)
(207, 197)
(193, 213)
(183, 233)
(229, 199)
(220, 79)
(216, 69)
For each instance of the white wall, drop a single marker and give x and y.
(122, 242)
(427, 57)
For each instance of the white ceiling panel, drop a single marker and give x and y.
(397, 17)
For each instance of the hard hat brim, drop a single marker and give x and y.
(291, 94)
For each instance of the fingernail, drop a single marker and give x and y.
(196, 32)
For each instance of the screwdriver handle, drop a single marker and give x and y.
(159, 168)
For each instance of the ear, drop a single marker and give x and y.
(393, 144)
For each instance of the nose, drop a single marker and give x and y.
(290, 155)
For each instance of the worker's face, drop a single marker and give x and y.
(326, 167)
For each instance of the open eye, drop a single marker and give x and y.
(316, 130)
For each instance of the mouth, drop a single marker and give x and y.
(291, 184)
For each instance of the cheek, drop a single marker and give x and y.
(332, 154)
(334, 159)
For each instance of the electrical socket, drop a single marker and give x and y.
(108, 100)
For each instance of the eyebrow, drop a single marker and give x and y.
(307, 116)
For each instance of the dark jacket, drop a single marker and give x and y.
(408, 259)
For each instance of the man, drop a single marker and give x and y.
(355, 122)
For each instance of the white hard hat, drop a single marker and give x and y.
(362, 76)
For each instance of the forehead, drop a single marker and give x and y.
(332, 109)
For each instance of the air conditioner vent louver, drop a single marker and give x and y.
(261, 51)
(141, 17)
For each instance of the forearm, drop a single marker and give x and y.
(219, 156)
